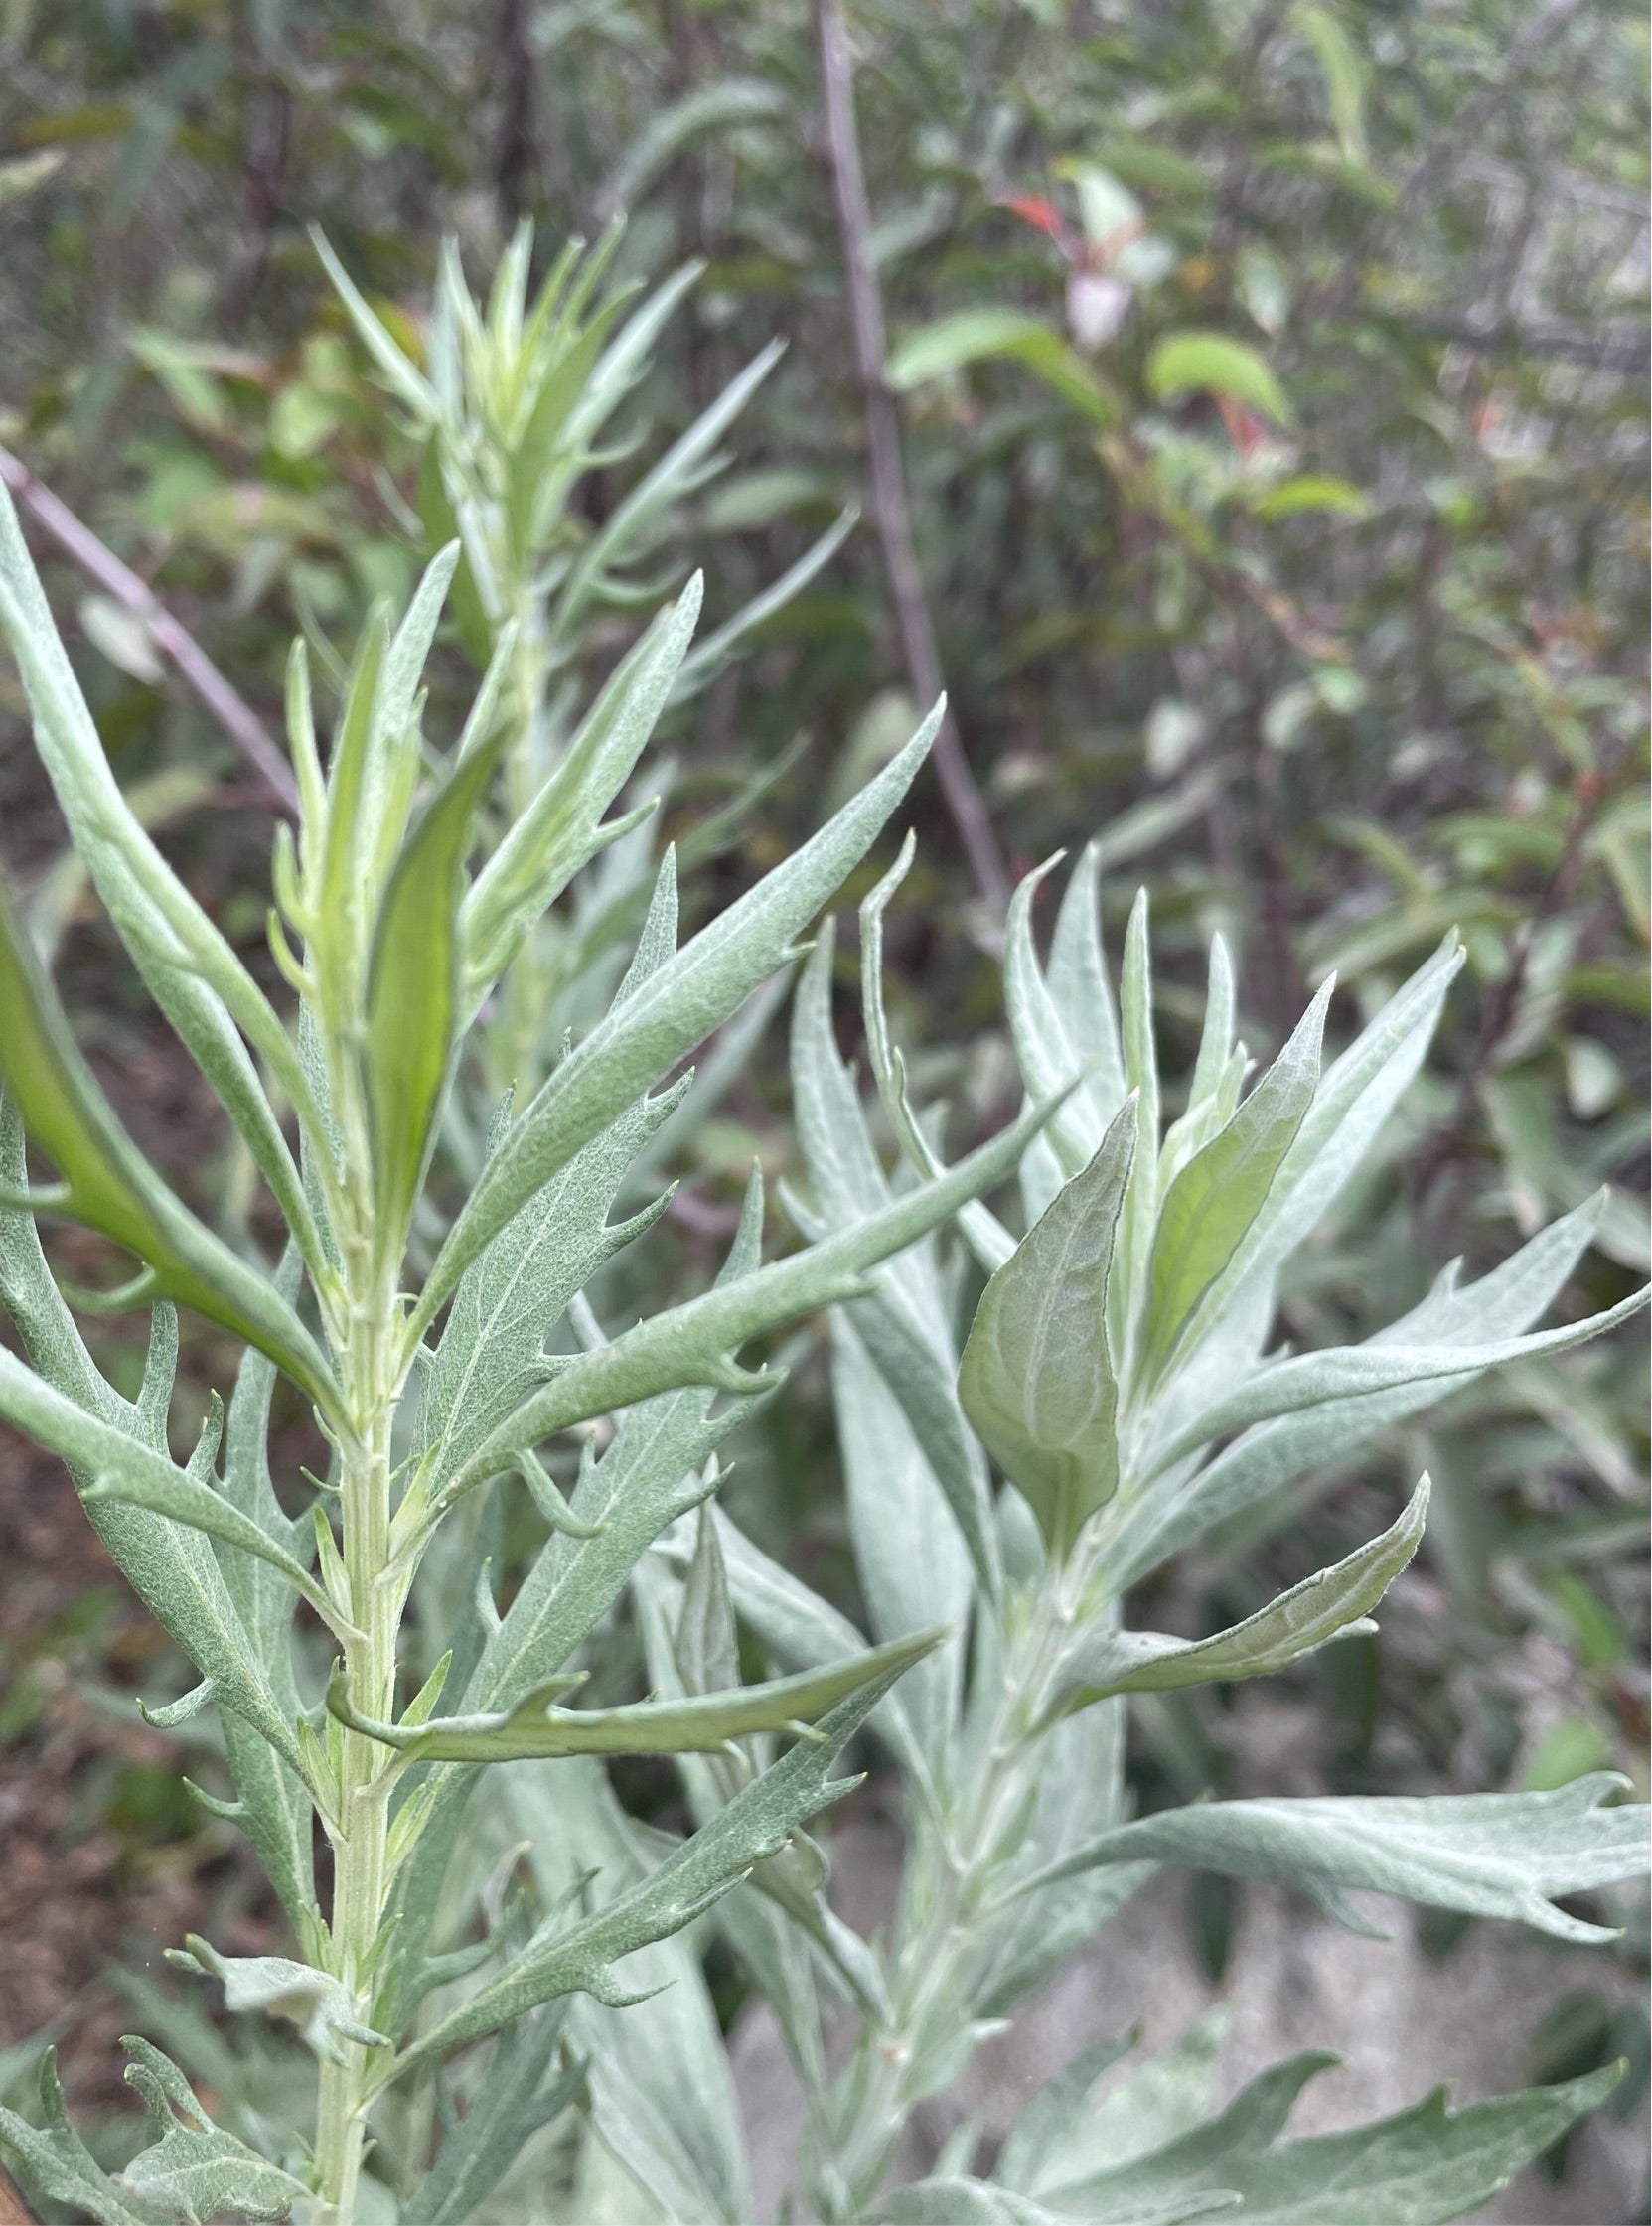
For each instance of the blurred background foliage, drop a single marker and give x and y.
(1270, 380)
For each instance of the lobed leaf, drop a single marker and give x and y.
(695, 1343)
(1422, 2167)
(320, 2005)
(192, 2169)
(697, 989)
(701, 1724)
(1490, 1854)
(756, 1823)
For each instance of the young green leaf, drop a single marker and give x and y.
(557, 832)
(414, 989)
(1202, 362)
(1219, 1193)
(1332, 1605)
(1037, 1378)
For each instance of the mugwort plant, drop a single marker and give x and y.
(484, 2048)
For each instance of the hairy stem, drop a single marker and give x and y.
(360, 1881)
(956, 1865)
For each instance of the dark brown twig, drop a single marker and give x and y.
(183, 652)
(883, 442)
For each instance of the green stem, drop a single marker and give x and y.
(360, 1871)
(954, 1871)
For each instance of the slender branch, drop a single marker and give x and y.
(883, 441)
(183, 652)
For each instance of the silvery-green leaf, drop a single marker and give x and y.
(1331, 1605)
(912, 1564)
(661, 2088)
(1359, 1372)
(1175, 1510)
(1141, 1215)
(697, 1341)
(555, 835)
(675, 1616)
(903, 1323)
(1050, 2116)
(986, 1235)
(321, 2007)
(512, 2101)
(412, 1005)
(1212, 1202)
(1491, 1854)
(1164, 2096)
(112, 1187)
(194, 976)
(1356, 1094)
(170, 1568)
(513, 1296)
(121, 1468)
(273, 1807)
(700, 668)
(57, 2167)
(1037, 1379)
(961, 2202)
(1050, 1060)
(191, 2170)
(409, 386)
(628, 1052)
(1422, 2168)
(649, 1476)
(1080, 991)
(582, 1958)
(705, 1643)
(703, 1724)
(685, 465)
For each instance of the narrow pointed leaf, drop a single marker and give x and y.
(701, 1724)
(111, 1185)
(1354, 1372)
(413, 985)
(696, 1342)
(629, 1051)
(756, 1823)
(1215, 1199)
(1490, 1854)
(1332, 1605)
